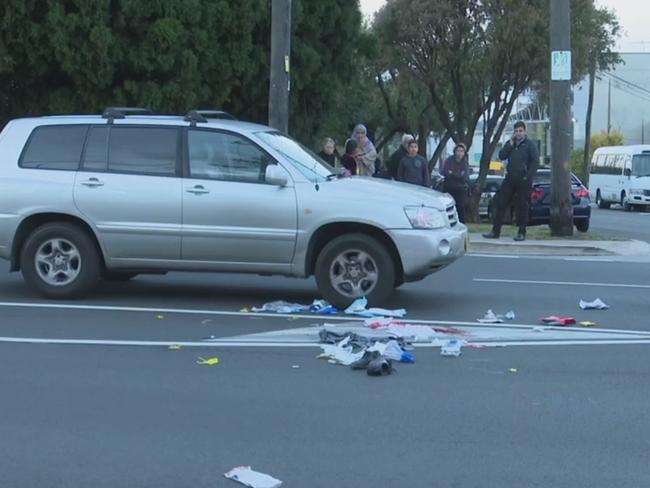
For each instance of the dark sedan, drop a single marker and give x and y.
(540, 202)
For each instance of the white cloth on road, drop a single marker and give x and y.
(246, 476)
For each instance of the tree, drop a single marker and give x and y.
(474, 58)
(605, 31)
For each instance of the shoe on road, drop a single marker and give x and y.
(491, 235)
(520, 237)
(365, 360)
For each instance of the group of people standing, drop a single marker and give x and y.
(405, 164)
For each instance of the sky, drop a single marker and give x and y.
(634, 16)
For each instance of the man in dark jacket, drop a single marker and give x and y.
(393, 161)
(413, 168)
(523, 159)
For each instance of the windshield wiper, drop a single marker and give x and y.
(332, 176)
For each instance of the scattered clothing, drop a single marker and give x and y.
(452, 348)
(358, 307)
(561, 321)
(253, 479)
(597, 304)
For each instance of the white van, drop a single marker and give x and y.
(621, 174)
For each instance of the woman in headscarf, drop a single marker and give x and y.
(367, 153)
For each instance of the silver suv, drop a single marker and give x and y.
(84, 198)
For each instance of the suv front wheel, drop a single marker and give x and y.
(353, 266)
(60, 260)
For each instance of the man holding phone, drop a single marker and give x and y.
(523, 160)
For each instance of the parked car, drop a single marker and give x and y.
(112, 196)
(539, 210)
(492, 185)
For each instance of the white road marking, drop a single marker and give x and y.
(567, 283)
(314, 317)
(235, 344)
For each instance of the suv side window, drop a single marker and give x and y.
(143, 150)
(54, 147)
(225, 156)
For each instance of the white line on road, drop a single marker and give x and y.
(315, 317)
(225, 343)
(567, 283)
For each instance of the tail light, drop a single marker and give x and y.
(581, 192)
(536, 194)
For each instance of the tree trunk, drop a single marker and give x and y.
(423, 138)
(384, 140)
(590, 106)
(439, 149)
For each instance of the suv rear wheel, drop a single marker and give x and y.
(60, 260)
(353, 266)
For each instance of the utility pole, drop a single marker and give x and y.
(561, 209)
(609, 107)
(280, 83)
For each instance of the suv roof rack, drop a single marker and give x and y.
(202, 116)
(112, 113)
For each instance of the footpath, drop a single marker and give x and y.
(557, 247)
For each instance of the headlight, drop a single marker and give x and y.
(425, 217)
(636, 192)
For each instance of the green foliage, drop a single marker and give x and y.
(59, 56)
(577, 163)
(602, 139)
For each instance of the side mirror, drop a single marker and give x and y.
(627, 172)
(276, 175)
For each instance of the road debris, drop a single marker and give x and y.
(512, 370)
(596, 304)
(587, 323)
(253, 479)
(320, 307)
(206, 321)
(174, 347)
(208, 362)
(452, 348)
(359, 307)
(491, 318)
(555, 320)
(160, 316)
(380, 366)
(295, 366)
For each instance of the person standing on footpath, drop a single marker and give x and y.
(523, 160)
(455, 170)
(413, 168)
(367, 153)
(393, 161)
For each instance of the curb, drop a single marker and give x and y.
(538, 249)
(479, 244)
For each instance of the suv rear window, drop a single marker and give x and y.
(54, 147)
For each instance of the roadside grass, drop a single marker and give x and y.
(541, 233)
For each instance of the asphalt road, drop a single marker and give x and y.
(110, 416)
(616, 222)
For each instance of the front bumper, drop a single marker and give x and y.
(426, 251)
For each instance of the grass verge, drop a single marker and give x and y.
(541, 233)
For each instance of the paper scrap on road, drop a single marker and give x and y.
(359, 307)
(160, 316)
(587, 323)
(208, 362)
(491, 318)
(597, 304)
(512, 370)
(174, 347)
(247, 477)
(555, 320)
(452, 348)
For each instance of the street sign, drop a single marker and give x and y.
(560, 65)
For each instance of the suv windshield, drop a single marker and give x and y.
(641, 165)
(310, 165)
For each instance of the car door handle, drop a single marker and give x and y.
(197, 190)
(92, 182)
